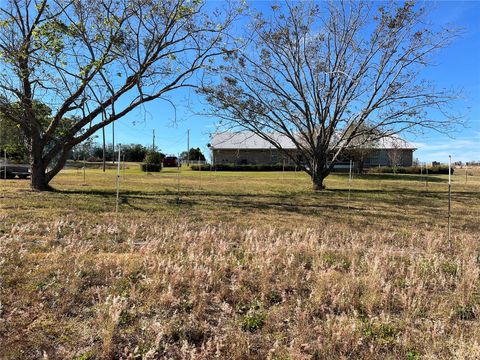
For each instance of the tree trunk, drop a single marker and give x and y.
(38, 167)
(361, 166)
(317, 181)
(320, 172)
(39, 181)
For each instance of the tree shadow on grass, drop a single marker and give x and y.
(397, 177)
(125, 201)
(417, 195)
(301, 201)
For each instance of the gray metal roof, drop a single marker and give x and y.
(393, 142)
(250, 140)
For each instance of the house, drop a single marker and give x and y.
(249, 148)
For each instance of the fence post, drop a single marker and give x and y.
(426, 177)
(349, 183)
(449, 199)
(118, 179)
(84, 171)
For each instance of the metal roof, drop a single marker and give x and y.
(250, 140)
(393, 142)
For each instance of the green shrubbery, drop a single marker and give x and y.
(153, 162)
(435, 170)
(151, 167)
(235, 167)
(280, 167)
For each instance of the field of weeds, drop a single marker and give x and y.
(202, 265)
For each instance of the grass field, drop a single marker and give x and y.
(240, 266)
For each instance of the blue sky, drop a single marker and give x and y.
(458, 66)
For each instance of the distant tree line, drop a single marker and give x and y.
(192, 154)
(92, 151)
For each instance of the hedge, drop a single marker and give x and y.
(234, 167)
(434, 170)
(151, 167)
(279, 167)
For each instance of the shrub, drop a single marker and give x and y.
(435, 170)
(153, 157)
(151, 167)
(153, 162)
(235, 167)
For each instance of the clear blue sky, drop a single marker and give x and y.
(457, 66)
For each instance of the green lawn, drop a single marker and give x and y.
(392, 201)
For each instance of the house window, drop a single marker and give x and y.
(274, 157)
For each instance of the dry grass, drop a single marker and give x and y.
(239, 266)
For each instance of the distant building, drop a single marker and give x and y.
(170, 161)
(249, 148)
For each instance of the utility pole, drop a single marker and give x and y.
(103, 153)
(113, 142)
(153, 140)
(188, 147)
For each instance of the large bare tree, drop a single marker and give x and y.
(325, 74)
(94, 61)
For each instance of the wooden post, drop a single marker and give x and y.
(84, 169)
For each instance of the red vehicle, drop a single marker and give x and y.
(170, 161)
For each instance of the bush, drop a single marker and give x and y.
(234, 167)
(153, 157)
(151, 167)
(435, 170)
(153, 162)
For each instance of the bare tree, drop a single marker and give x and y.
(324, 74)
(395, 153)
(94, 61)
(361, 146)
